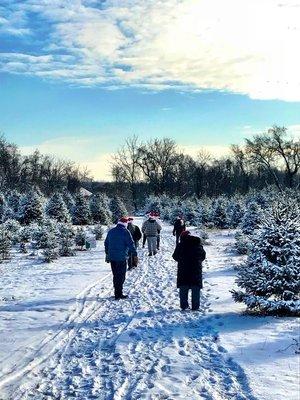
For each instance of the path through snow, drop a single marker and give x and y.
(143, 347)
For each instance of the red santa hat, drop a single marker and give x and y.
(123, 221)
(152, 215)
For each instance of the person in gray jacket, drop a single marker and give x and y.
(151, 229)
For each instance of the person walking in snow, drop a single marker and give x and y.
(136, 236)
(118, 245)
(151, 230)
(189, 254)
(157, 217)
(179, 227)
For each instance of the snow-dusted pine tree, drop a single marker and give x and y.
(98, 232)
(13, 201)
(45, 239)
(81, 212)
(25, 237)
(269, 280)
(234, 214)
(117, 208)
(5, 243)
(2, 207)
(80, 238)
(31, 208)
(251, 219)
(218, 213)
(57, 209)
(69, 200)
(66, 240)
(99, 213)
(13, 228)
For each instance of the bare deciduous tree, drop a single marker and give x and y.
(126, 166)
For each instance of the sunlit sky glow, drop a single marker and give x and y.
(77, 77)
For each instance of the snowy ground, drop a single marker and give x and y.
(63, 336)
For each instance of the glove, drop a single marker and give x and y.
(135, 261)
(107, 259)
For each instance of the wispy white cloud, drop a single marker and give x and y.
(238, 46)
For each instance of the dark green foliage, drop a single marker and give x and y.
(5, 243)
(269, 280)
(81, 212)
(57, 209)
(31, 208)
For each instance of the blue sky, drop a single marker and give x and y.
(77, 78)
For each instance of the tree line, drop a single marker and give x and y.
(159, 167)
(37, 170)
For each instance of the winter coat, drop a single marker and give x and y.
(151, 228)
(135, 232)
(179, 227)
(189, 254)
(119, 243)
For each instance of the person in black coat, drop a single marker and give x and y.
(136, 236)
(179, 227)
(189, 254)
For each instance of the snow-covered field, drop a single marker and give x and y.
(63, 336)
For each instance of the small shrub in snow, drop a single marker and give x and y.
(269, 280)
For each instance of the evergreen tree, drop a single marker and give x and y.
(218, 213)
(13, 202)
(5, 243)
(99, 213)
(31, 208)
(2, 207)
(66, 240)
(24, 238)
(269, 280)
(45, 239)
(234, 214)
(251, 219)
(13, 228)
(57, 209)
(81, 211)
(98, 232)
(117, 208)
(80, 238)
(69, 201)
(242, 242)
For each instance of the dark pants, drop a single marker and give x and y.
(119, 272)
(130, 258)
(144, 240)
(183, 294)
(158, 241)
